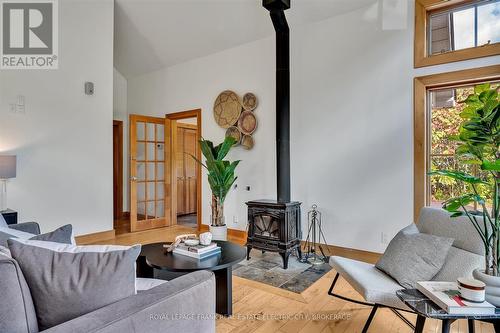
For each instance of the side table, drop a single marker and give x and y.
(425, 308)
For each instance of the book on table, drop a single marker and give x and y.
(447, 297)
(198, 251)
(197, 248)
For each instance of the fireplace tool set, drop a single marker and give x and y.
(313, 243)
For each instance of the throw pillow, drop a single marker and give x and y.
(413, 257)
(67, 281)
(63, 234)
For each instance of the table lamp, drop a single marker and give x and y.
(7, 171)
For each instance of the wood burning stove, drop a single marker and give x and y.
(275, 225)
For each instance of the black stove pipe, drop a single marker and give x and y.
(277, 11)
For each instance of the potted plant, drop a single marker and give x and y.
(221, 178)
(478, 143)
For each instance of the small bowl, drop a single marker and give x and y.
(191, 242)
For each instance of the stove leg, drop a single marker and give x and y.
(285, 256)
(249, 248)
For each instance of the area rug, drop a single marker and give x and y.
(268, 268)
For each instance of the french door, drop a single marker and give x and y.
(150, 172)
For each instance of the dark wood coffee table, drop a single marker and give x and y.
(153, 261)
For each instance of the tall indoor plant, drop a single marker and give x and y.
(221, 178)
(478, 143)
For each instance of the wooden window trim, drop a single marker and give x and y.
(420, 120)
(421, 57)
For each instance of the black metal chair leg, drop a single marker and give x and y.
(370, 318)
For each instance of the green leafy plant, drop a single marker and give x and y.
(221, 175)
(478, 143)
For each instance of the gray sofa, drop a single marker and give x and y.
(186, 304)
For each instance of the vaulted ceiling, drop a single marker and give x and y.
(152, 34)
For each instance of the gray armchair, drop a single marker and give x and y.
(379, 289)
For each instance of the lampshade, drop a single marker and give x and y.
(7, 166)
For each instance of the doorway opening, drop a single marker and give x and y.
(186, 180)
(117, 169)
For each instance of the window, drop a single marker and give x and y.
(444, 108)
(436, 116)
(463, 30)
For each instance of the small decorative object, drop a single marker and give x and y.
(249, 102)
(7, 171)
(478, 145)
(205, 238)
(191, 242)
(471, 290)
(179, 239)
(221, 179)
(227, 109)
(235, 133)
(247, 142)
(247, 123)
(313, 240)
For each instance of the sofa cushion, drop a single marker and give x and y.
(17, 312)
(63, 234)
(67, 281)
(414, 257)
(371, 283)
(459, 263)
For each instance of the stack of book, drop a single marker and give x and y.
(197, 251)
(447, 297)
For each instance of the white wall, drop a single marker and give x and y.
(120, 113)
(64, 140)
(196, 84)
(351, 118)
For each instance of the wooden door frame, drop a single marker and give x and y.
(118, 170)
(196, 113)
(421, 118)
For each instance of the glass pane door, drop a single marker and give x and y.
(149, 151)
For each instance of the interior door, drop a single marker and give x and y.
(180, 172)
(150, 172)
(190, 167)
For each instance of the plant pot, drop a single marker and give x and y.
(219, 232)
(492, 290)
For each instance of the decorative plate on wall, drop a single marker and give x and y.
(247, 142)
(234, 132)
(250, 101)
(247, 122)
(227, 109)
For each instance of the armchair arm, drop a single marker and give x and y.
(185, 304)
(30, 227)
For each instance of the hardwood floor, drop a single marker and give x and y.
(262, 308)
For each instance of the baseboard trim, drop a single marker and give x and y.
(95, 237)
(242, 234)
(347, 252)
